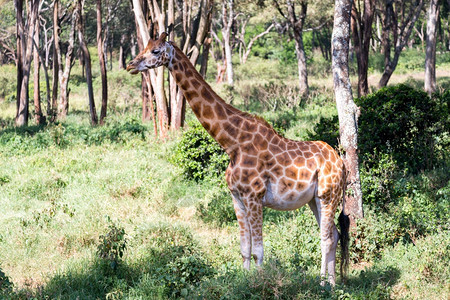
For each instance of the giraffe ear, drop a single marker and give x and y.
(162, 37)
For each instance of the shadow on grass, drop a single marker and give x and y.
(96, 280)
(274, 281)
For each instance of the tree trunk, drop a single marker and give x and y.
(248, 49)
(20, 48)
(122, 55)
(228, 16)
(401, 33)
(101, 57)
(430, 58)
(22, 112)
(347, 109)
(37, 97)
(51, 110)
(297, 26)
(157, 89)
(87, 63)
(64, 73)
(362, 32)
(297, 23)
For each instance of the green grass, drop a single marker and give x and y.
(57, 199)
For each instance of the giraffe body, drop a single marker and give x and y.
(265, 168)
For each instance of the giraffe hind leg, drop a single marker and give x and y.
(329, 237)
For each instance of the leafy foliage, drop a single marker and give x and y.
(327, 130)
(400, 120)
(5, 282)
(219, 210)
(112, 245)
(177, 263)
(379, 178)
(199, 155)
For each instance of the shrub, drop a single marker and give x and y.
(379, 173)
(400, 120)
(177, 263)
(5, 283)
(219, 210)
(199, 155)
(112, 245)
(327, 130)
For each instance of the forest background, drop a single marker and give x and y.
(132, 203)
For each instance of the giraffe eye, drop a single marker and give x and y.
(156, 51)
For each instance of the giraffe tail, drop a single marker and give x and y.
(344, 225)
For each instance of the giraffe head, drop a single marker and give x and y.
(157, 53)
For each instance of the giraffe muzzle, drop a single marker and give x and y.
(131, 68)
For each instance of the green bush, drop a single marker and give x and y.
(112, 245)
(379, 175)
(177, 263)
(199, 155)
(401, 121)
(219, 210)
(5, 283)
(327, 130)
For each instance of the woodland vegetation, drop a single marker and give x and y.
(131, 203)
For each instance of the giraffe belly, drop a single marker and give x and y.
(288, 199)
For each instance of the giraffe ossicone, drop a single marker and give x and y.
(265, 168)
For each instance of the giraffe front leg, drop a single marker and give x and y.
(256, 221)
(244, 231)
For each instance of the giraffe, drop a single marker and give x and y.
(265, 168)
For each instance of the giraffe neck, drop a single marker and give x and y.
(225, 123)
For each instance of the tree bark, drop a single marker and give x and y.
(362, 32)
(102, 63)
(158, 90)
(297, 23)
(37, 97)
(51, 110)
(248, 49)
(430, 58)
(87, 63)
(23, 112)
(401, 33)
(347, 109)
(228, 17)
(20, 48)
(64, 73)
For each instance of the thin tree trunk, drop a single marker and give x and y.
(87, 63)
(101, 57)
(228, 16)
(64, 73)
(430, 58)
(347, 109)
(205, 56)
(122, 52)
(47, 80)
(20, 48)
(22, 112)
(362, 32)
(37, 97)
(52, 109)
(401, 34)
(252, 41)
(297, 26)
